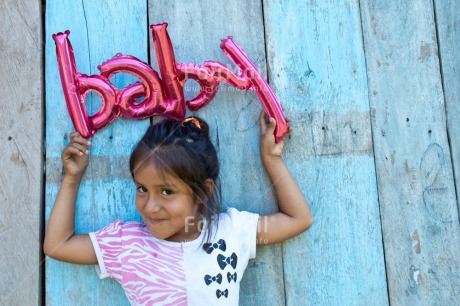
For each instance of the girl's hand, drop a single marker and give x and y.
(269, 149)
(75, 155)
(294, 216)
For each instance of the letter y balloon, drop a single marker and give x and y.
(162, 97)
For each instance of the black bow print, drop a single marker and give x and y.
(221, 293)
(231, 277)
(208, 279)
(224, 261)
(209, 247)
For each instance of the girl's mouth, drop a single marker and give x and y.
(155, 221)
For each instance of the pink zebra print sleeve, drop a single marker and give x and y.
(107, 244)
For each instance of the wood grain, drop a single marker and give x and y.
(414, 170)
(317, 68)
(371, 87)
(99, 30)
(196, 29)
(448, 29)
(21, 161)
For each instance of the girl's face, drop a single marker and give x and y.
(167, 205)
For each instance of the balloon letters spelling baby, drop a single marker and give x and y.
(163, 96)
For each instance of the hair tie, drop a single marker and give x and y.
(192, 120)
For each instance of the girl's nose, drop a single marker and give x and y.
(153, 206)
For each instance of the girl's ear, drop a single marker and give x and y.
(209, 186)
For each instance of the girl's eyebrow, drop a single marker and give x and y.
(159, 185)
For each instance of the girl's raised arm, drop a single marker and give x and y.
(61, 243)
(294, 216)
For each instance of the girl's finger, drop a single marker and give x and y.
(272, 126)
(263, 122)
(263, 115)
(69, 151)
(82, 141)
(79, 147)
(75, 137)
(74, 134)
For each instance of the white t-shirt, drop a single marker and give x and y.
(160, 272)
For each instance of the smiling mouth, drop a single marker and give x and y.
(156, 221)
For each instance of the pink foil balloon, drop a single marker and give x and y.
(150, 87)
(108, 112)
(222, 73)
(161, 96)
(263, 91)
(173, 91)
(205, 78)
(76, 86)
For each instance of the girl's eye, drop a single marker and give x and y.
(166, 192)
(141, 189)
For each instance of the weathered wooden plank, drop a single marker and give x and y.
(317, 68)
(196, 29)
(21, 161)
(448, 26)
(414, 170)
(99, 29)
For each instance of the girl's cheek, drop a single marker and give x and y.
(139, 204)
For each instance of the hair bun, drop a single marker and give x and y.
(196, 125)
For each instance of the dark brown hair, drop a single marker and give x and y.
(183, 148)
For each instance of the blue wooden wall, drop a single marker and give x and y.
(363, 83)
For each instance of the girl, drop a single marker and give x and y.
(185, 251)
